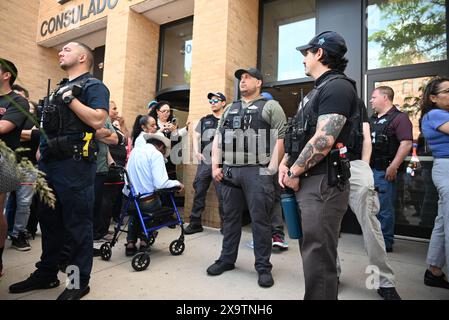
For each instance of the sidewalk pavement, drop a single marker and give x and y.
(184, 277)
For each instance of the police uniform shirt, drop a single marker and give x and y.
(13, 108)
(337, 97)
(209, 121)
(272, 113)
(95, 96)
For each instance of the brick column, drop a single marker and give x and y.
(130, 67)
(224, 39)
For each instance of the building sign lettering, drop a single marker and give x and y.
(75, 15)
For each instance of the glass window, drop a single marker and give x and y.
(176, 55)
(287, 24)
(404, 32)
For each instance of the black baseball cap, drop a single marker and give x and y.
(328, 40)
(253, 72)
(216, 94)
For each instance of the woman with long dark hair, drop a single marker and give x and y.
(167, 124)
(434, 124)
(143, 124)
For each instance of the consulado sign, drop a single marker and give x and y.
(75, 15)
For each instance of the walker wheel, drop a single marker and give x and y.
(177, 247)
(106, 251)
(141, 261)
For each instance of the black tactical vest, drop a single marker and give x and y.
(246, 129)
(307, 115)
(209, 124)
(57, 118)
(385, 144)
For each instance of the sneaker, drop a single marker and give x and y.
(435, 281)
(193, 228)
(389, 293)
(20, 242)
(279, 242)
(219, 267)
(33, 283)
(73, 294)
(265, 279)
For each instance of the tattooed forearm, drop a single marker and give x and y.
(316, 158)
(331, 124)
(329, 127)
(305, 155)
(321, 143)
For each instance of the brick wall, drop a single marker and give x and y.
(35, 64)
(130, 68)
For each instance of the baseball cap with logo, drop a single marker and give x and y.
(328, 40)
(253, 72)
(216, 94)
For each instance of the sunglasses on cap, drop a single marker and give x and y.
(211, 101)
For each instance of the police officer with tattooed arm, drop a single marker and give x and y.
(72, 113)
(315, 165)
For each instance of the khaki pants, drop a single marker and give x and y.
(364, 202)
(322, 210)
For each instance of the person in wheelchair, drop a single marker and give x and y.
(147, 172)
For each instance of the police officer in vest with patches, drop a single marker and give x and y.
(392, 136)
(315, 165)
(250, 142)
(204, 135)
(72, 114)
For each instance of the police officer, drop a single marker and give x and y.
(392, 136)
(315, 165)
(364, 202)
(73, 112)
(204, 135)
(250, 139)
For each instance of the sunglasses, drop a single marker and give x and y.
(211, 101)
(443, 91)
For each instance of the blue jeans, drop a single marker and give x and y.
(387, 198)
(438, 253)
(18, 205)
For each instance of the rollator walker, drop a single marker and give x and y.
(149, 223)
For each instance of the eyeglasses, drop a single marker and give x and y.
(443, 91)
(213, 101)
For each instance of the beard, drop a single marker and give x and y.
(248, 92)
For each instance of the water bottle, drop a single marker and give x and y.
(291, 214)
(414, 165)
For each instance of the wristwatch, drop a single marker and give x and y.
(291, 174)
(68, 99)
